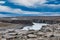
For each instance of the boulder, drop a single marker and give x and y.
(31, 36)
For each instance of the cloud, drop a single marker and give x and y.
(29, 7)
(28, 12)
(2, 2)
(8, 9)
(2, 15)
(33, 3)
(36, 5)
(53, 6)
(17, 11)
(27, 3)
(55, 14)
(51, 14)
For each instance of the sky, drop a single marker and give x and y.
(10, 8)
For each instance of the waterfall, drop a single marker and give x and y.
(36, 26)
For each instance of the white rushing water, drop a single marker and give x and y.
(36, 26)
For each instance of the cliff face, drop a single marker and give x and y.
(26, 22)
(38, 19)
(51, 27)
(15, 23)
(10, 25)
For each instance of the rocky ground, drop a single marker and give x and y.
(48, 32)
